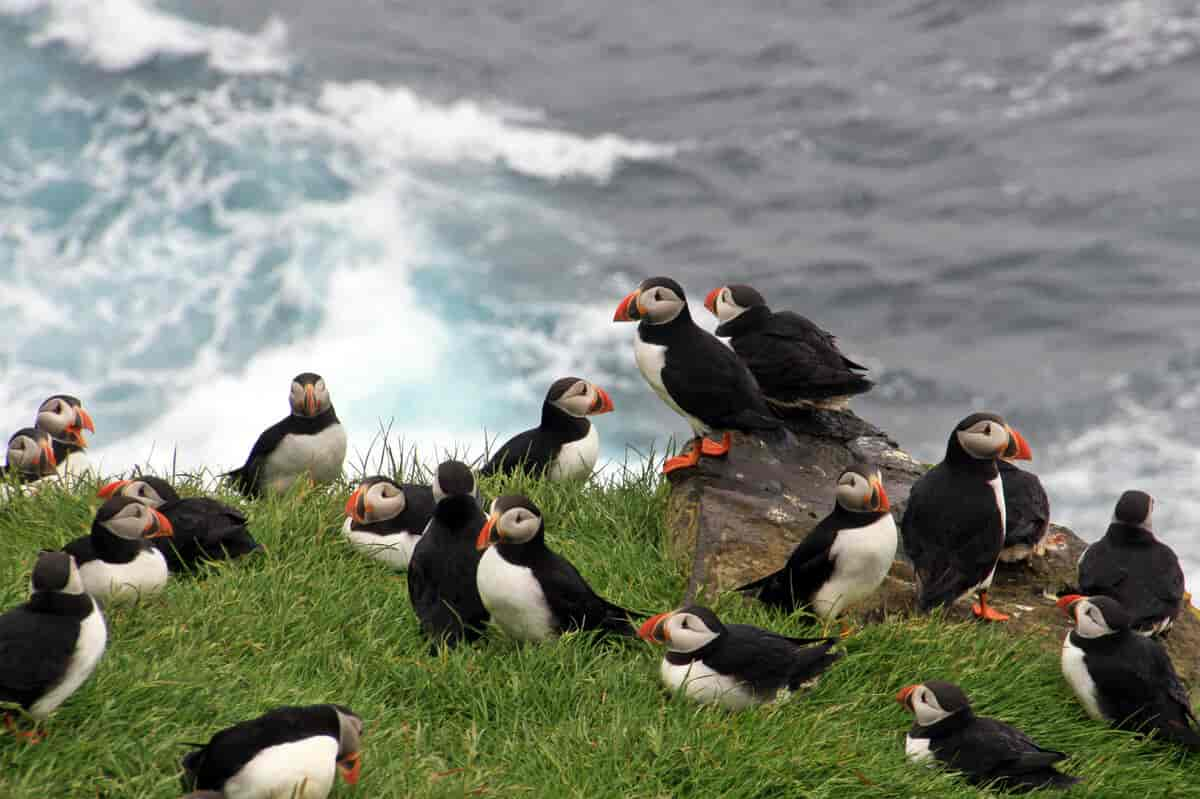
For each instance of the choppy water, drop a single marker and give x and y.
(437, 206)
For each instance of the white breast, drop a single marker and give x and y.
(704, 685)
(143, 576)
(576, 459)
(76, 465)
(998, 491)
(93, 638)
(862, 558)
(917, 750)
(320, 455)
(302, 769)
(514, 598)
(1074, 669)
(395, 550)
(651, 358)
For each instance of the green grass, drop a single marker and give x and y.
(314, 622)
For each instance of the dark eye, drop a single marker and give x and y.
(657, 295)
(683, 624)
(141, 491)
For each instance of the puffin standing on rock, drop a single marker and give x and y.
(385, 520)
(65, 419)
(565, 445)
(310, 441)
(797, 364)
(117, 560)
(733, 665)
(531, 592)
(953, 526)
(696, 375)
(1133, 567)
(986, 751)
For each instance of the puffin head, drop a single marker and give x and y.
(1134, 508)
(1095, 616)
(730, 302)
(56, 572)
(349, 755)
(31, 452)
(151, 491)
(513, 519)
(309, 395)
(578, 397)
(657, 301)
(933, 700)
(860, 490)
(376, 499)
(452, 479)
(986, 436)
(686, 630)
(130, 520)
(64, 418)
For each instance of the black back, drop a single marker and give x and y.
(535, 450)
(441, 574)
(1133, 567)
(37, 641)
(418, 510)
(205, 529)
(246, 478)
(1026, 506)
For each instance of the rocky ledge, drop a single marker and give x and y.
(737, 518)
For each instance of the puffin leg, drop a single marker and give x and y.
(847, 631)
(689, 458)
(714, 450)
(983, 611)
(32, 736)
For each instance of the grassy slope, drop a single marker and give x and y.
(313, 622)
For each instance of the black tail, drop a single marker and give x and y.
(774, 591)
(244, 482)
(812, 662)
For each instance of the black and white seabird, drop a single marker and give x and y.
(844, 558)
(985, 751)
(565, 445)
(385, 519)
(310, 441)
(953, 526)
(696, 375)
(1026, 511)
(50, 645)
(797, 364)
(203, 528)
(30, 459)
(531, 592)
(292, 752)
(1121, 677)
(118, 560)
(734, 665)
(65, 419)
(1133, 567)
(441, 573)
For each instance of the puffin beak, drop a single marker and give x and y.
(603, 403)
(356, 506)
(629, 310)
(1066, 603)
(84, 419)
(110, 490)
(1018, 449)
(710, 302)
(350, 766)
(48, 454)
(310, 400)
(905, 694)
(879, 497)
(159, 528)
(650, 631)
(485, 533)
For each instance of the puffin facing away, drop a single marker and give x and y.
(531, 592)
(311, 441)
(565, 445)
(65, 419)
(50, 645)
(202, 528)
(289, 752)
(986, 751)
(690, 370)
(1121, 677)
(30, 456)
(117, 560)
(733, 665)
(1133, 567)
(384, 519)
(953, 525)
(797, 364)
(844, 558)
(1026, 511)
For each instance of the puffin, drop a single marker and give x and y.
(118, 560)
(797, 364)
(733, 665)
(986, 751)
(1133, 567)
(530, 591)
(844, 558)
(310, 441)
(565, 445)
(30, 458)
(385, 519)
(65, 419)
(953, 526)
(441, 573)
(1027, 513)
(692, 371)
(1121, 677)
(50, 645)
(203, 528)
(292, 752)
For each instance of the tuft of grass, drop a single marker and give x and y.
(312, 621)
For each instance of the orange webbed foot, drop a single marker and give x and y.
(714, 450)
(686, 460)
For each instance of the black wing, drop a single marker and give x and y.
(205, 529)
(529, 451)
(1027, 508)
(34, 650)
(794, 359)
(792, 325)
(442, 587)
(1175, 717)
(771, 662)
(990, 750)
(709, 381)
(806, 570)
(246, 478)
(231, 748)
(1101, 570)
(82, 550)
(575, 604)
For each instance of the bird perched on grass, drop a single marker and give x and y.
(65, 419)
(385, 519)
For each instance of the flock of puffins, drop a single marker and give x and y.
(467, 568)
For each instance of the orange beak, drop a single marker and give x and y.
(485, 534)
(162, 529)
(879, 497)
(905, 693)
(649, 631)
(350, 766)
(1018, 448)
(629, 310)
(84, 420)
(603, 403)
(710, 302)
(1065, 603)
(356, 506)
(109, 491)
(310, 400)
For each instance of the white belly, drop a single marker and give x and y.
(650, 360)
(704, 685)
(862, 558)
(395, 550)
(320, 456)
(576, 459)
(514, 598)
(302, 769)
(93, 638)
(1078, 678)
(76, 465)
(917, 750)
(143, 576)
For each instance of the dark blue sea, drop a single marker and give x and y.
(438, 206)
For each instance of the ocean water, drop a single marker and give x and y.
(438, 206)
